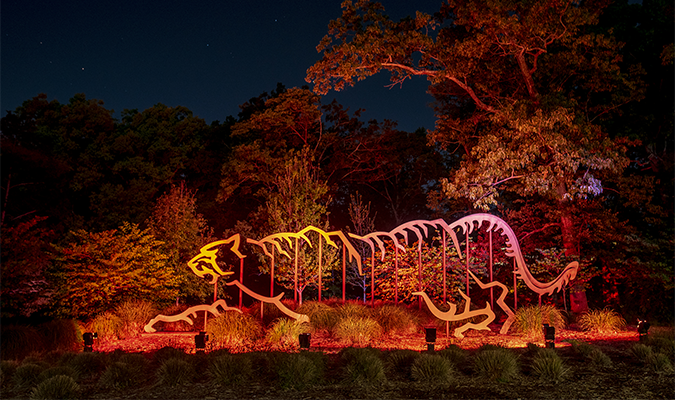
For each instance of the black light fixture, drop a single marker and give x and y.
(304, 339)
(643, 329)
(88, 338)
(200, 342)
(430, 337)
(549, 336)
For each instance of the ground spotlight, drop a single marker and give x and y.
(643, 329)
(304, 338)
(200, 342)
(88, 338)
(549, 336)
(430, 337)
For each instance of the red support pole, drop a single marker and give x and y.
(320, 255)
(492, 296)
(241, 279)
(396, 274)
(419, 272)
(295, 277)
(445, 272)
(467, 263)
(272, 275)
(344, 274)
(372, 279)
(515, 286)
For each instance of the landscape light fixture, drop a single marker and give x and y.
(304, 339)
(430, 338)
(643, 329)
(200, 342)
(549, 336)
(88, 338)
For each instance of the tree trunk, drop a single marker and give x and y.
(578, 301)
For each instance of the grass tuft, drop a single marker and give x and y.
(56, 387)
(26, 376)
(641, 352)
(298, 371)
(357, 331)
(233, 329)
(529, 320)
(394, 319)
(108, 326)
(134, 315)
(602, 321)
(455, 354)
(497, 365)
(284, 333)
(660, 363)
(119, 375)
(548, 366)
(363, 367)
(433, 370)
(231, 370)
(174, 372)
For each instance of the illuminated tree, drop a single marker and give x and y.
(521, 88)
(97, 271)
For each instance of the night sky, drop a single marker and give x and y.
(209, 56)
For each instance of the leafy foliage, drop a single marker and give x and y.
(98, 271)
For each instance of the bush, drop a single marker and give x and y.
(353, 309)
(166, 353)
(18, 341)
(107, 326)
(529, 320)
(134, 315)
(119, 375)
(603, 321)
(233, 329)
(548, 366)
(357, 330)
(136, 361)
(26, 376)
(498, 364)
(394, 319)
(7, 368)
(62, 335)
(599, 359)
(59, 370)
(663, 344)
(57, 387)
(284, 333)
(402, 360)
(230, 370)
(363, 367)
(175, 371)
(432, 370)
(298, 371)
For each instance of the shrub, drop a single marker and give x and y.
(363, 367)
(136, 361)
(166, 353)
(353, 309)
(284, 333)
(432, 369)
(599, 358)
(357, 330)
(7, 368)
(119, 375)
(62, 335)
(498, 364)
(18, 341)
(175, 371)
(297, 371)
(529, 320)
(602, 321)
(580, 347)
(229, 370)
(394, 319)
(57, 387)
(641, 352)
(134, 315)
(108, 326)
(663, 344)
(547, 365)
(660, 363)
(233, 329)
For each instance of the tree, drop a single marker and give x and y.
(521, 88)
(97, 271)
(362, 224)
(183, 231)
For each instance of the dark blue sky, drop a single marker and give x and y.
(209, 56)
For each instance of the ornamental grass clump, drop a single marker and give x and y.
(455, 354)
(529, 320)
(394, 319)
(134, 315)
(432, 370)
(401, 361)
(233, 329)
(497, 365)
(660, 363)
(322, 317)
(601, 321)
(18, 341)
(119, 375)
(284, 333)
(363, 367)
(298, 371)
(7, 368)
(357, 331)
(230, 370)
(56, 387)
(26, 376)
(62, 335)
(108, 326)
(58, 370)
(548, 366)
(86, 364)
(641, 352)
(352, 309)
(174, 372)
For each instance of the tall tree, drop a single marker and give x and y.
(520, 87)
